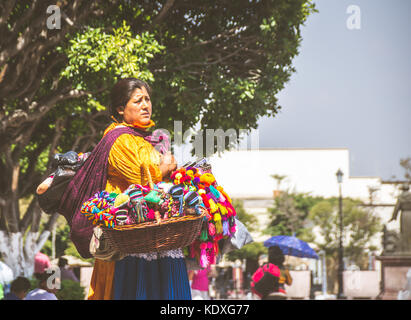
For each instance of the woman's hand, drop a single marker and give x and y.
(167, 165)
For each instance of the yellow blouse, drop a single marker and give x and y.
(125, 161)
(126, 158)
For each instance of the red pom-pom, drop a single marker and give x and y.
(150, 214)
(185, 179)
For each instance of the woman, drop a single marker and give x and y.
(276, 257)
(149, 275)
(200, 283)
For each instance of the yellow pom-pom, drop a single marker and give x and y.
(218, 224)
(190, 173)
(207, 179)
(121, 199)
(213, 206)
(223, 209)
(177, 178)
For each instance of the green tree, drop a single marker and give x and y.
(249, 220)
(218, 63)
(289, 215)
(360, 226)
(62, 240)
(63, 243)
(70, 290)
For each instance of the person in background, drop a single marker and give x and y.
(41, 264)
(65, 271)
(42, 292)
(276, 257)
(222, 283)
(199, 285)
(18, 289)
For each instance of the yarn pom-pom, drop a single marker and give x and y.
(151, 214)
(211, 229)
(233, 229)
(203, 258)
(207, 179)
(204, 235)
(218, 225)
(226, 228)
(185, 179)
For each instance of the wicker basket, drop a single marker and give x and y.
(173, 233)
(170, 234)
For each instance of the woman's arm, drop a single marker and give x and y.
(288, 279)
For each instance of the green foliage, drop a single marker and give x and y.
(247, 219)
(34, 283)
(96, 57)
(305, 215)
(63, 244)
(289, 215)
(250, 251)
(62, 241)
(360, 225)
(70, 290)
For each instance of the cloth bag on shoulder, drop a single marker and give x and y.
(91, 178)
(240, 238)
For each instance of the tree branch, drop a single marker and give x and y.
(28, 216)
(36, 217)
(163, 12)
(52, 221)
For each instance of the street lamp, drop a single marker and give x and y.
(340, 295)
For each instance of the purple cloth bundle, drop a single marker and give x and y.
(92, 178)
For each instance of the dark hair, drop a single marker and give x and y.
(42, 277)
(276, 256)
(122, 91)
(62, 262)
(20, 284)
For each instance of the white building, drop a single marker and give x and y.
(307, 170)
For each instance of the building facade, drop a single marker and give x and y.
(247, 175)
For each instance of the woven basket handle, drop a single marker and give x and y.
(147, 173)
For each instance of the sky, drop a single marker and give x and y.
(352, 87)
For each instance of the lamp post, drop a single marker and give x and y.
(340, 295)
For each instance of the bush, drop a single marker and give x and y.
(70, 290)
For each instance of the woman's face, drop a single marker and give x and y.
(138, 109)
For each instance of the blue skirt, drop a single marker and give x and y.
(152, 277)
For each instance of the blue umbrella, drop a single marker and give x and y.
(292, 246)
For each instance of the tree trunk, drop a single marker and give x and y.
(19, 253)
